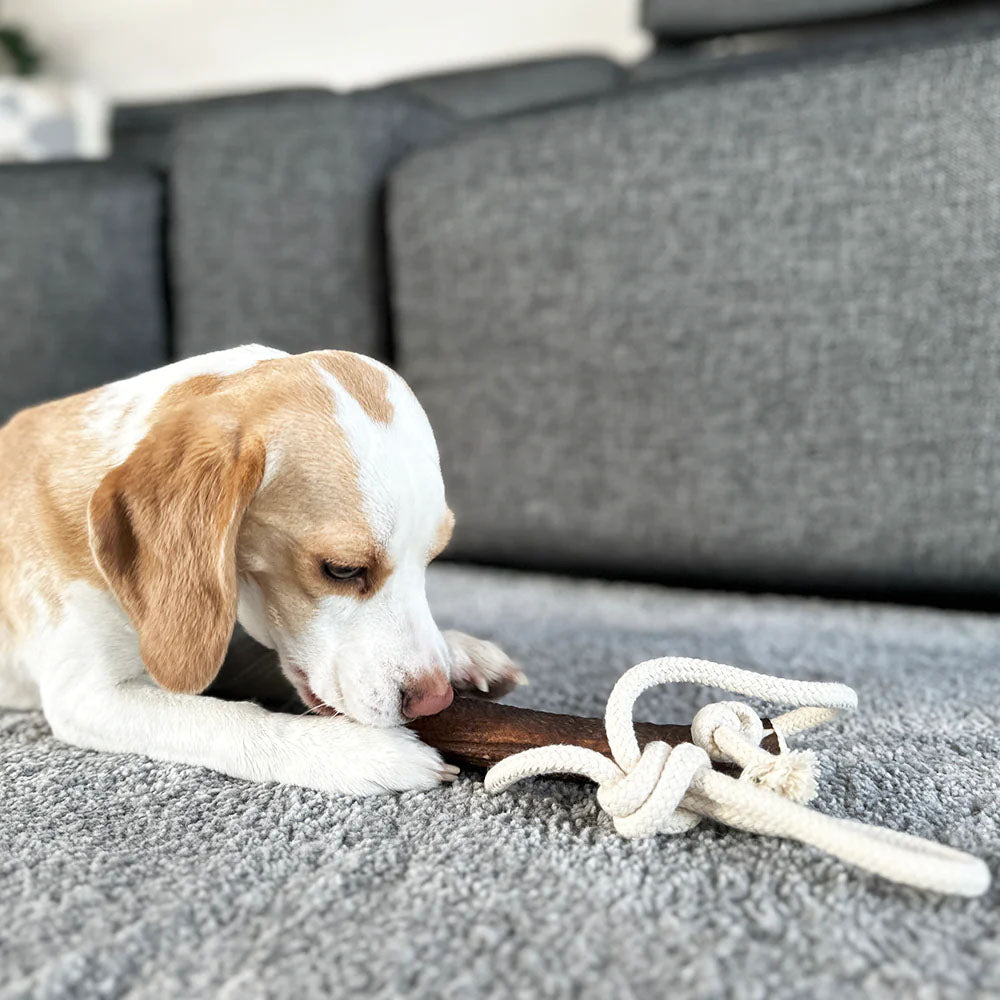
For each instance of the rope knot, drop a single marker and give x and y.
(646, 799)
(730, 731)
(731, 715)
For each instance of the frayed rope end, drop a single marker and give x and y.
(791, 774)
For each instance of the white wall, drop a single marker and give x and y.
(147, 49)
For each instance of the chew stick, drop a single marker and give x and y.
(476, 733)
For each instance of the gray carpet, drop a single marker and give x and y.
(119, 876)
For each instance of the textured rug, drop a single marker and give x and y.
(124, 877)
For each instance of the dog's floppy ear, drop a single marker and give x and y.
(163, 529)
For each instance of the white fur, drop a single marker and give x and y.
(97, 695)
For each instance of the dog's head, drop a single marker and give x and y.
(304, 497)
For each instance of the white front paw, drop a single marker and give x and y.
(480, 666)
(347, 758)
(397, 761)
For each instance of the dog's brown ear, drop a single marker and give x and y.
(163, 529)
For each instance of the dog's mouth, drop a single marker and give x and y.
(310, 699)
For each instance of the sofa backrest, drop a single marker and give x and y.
(277, 222)
(81, 278)
(511, 88)
(276, 231)
(740, 329)
(681, 19)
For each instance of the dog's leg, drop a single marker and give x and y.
(480, 666)
(332, 754)
(96, 694)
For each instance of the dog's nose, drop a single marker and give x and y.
(430, 694)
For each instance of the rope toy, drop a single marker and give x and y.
(664, 789)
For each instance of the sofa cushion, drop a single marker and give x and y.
(495, 90)
(154, 878)
(276, 231)
(764, 351)
(144, 132)
(81, 278)
(679, 18)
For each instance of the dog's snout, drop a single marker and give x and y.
(427, 695)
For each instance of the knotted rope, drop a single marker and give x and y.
(669, 790)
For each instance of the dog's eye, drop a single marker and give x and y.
(342, 573)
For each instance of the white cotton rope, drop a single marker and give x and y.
(664, 789)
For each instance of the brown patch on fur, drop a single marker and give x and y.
(164, 526)
(49, 467)
(184, 392)
(443, 536)
(310, 512)
(366, 383)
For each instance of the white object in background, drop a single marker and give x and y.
(204, 47)
(47, 119)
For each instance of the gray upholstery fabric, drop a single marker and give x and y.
(276, 222)
(496, 90)
(740, 328)
(667, 63)
(120, 876)
(81, 279)
(692, 17)
(143, 133)
(816, 42)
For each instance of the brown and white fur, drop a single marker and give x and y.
(140, 521)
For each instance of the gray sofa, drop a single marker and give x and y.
(711, 351)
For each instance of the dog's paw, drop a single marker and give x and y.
(347, 758)
(397, 761)
(481, 667)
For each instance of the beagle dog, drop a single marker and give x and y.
(300, 495)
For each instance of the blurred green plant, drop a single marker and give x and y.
(18, 51)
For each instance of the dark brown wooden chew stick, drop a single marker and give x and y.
(477, 733)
